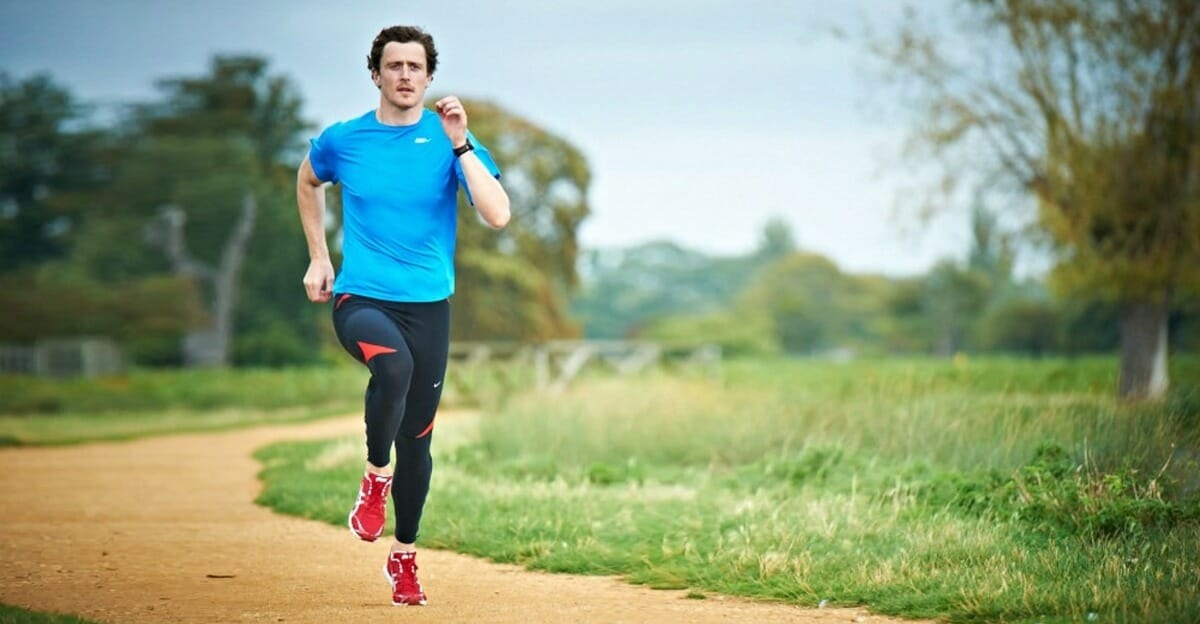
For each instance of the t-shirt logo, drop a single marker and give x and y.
(421, 140)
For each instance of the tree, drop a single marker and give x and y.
(954, 300)
(243, 127)
(1020, 325)
(56, 171)
(991, 251)
(627, 290)
(1091, 108)
(908, 327)
(46, 163)
(515, 283)
(204, 172)
(812, 305)
(739, 331)
(776, 241)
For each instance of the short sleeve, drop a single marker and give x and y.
(485, 157)
(322, 156)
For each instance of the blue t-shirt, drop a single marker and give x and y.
(399, 190)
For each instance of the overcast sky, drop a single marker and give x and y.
(701, 119)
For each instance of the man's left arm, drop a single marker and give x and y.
(491, 201)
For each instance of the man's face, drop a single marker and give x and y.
(403, 75)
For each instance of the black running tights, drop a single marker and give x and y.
(404, 345)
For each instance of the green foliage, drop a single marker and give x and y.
(235, 130)
(1184, 325)
(237, 100)
(645, 287)
(199, 147)
(270, 341)
(896, 484)
(1088, 109)
(504, 298)
(48, 168)
(953, 298)
(738, 333)
(802, 303)
(515, 283)
(275, 323)
(1020, 325)
(813, 306)
(777, 240)
(148, 315)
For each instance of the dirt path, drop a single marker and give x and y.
(165, 530)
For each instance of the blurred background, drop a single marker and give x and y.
(801, 178)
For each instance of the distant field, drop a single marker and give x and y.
(971, 490)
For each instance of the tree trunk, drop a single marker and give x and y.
(227, 274)
(209, 347)
(1143, 350)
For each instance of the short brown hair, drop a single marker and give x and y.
(402, 34)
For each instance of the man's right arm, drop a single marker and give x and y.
(310, 197)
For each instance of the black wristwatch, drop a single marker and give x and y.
(466, 147)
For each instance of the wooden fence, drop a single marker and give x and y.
(547, 366)
(77, 357)
(551, 366)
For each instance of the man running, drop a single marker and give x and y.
(400, 166)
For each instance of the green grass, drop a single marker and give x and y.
(195, 389)
(982, 490)
(55, 429)
(37, 411)
(17, 615)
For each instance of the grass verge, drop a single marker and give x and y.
(74, 428)
(16, 615)
(36, 411)
(993, 490)
(193, 389)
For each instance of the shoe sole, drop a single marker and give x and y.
(388, 577)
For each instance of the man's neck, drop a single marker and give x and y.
(390, 115)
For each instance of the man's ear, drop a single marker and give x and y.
(375, 79)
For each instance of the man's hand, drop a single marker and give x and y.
(454, 119)
(318, 281)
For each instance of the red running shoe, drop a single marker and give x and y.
(370, 510)
(401, 573)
